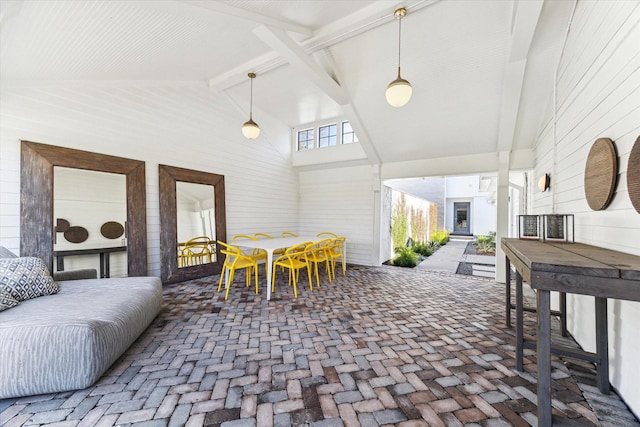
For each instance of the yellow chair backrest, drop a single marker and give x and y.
(320, 249)
(243, 236)
(233, 252)
(297, 251)
(198, 245)
(289, 234)
(265, 235)
(326, 233)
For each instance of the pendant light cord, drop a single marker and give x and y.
(251, 100)
(399, 38)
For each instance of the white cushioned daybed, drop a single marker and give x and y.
(67, 340)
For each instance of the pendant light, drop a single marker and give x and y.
(250, 129)
(399, 91)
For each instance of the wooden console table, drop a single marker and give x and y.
(567, 268)
(104, 257)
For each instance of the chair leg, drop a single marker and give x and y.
(315, 267)
(295, 285)
(226, 294)
(256, 271)
(273, 279)
(329, 272)
(222, 274)
(314, 271)
(310, 277)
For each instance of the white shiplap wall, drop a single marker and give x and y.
(341, 200)
(184, 125)
(598, 95)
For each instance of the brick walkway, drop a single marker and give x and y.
(379, 347)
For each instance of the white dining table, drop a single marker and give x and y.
(269, 246)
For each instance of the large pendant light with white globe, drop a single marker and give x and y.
(399, 91)
(250, 129)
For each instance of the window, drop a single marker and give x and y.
(305, 139)
(348, 135)
(327, 135)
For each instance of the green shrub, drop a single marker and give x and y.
(486, 243)
(406, 257)
(399, 223)
(422, 249)
(441, 236)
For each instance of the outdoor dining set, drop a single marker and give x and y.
(290, 252)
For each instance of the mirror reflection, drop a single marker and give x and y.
(196, 224)
(203, 217)
(90, 212)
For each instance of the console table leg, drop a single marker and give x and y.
(102, 276)
(563, 314)
(519, 324)
(543, 307)
(602, 345)
(507, 284)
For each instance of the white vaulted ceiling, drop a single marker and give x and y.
(482, 70)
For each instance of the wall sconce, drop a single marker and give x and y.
(544, 182)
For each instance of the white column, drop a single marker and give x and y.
(502, 212)
(376, 185)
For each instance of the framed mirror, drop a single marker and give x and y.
(90, 214)
(37, 226)
(192, 210)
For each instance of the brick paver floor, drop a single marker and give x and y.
(378, 347)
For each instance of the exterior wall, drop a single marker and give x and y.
(185, 126)
(341, 200)
(419, 205)
(467, 189)
(598, 95)
(386, 250)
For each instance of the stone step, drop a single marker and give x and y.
(484, 268)
(480, 273)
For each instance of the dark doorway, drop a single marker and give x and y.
(461, 218)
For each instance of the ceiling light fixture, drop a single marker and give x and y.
(399, 91)
(250, 129)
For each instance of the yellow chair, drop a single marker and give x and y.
(289, 234)
(294, 259)
(276, 252)
(196, 251)
(256, 254)
(182, 256)
(319, 253)
(328, 234)
(335, 253)
(234, 260)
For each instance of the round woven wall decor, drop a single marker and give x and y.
(633, 175)
(76, 234)
(62, 225)
(600, 174)
(112, 230)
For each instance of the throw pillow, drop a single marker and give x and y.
(6, 300)
(25, 278)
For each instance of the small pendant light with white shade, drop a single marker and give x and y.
(250, 129)
(399, 91)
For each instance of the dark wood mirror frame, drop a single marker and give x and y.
(36, 199)
(168, 176)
